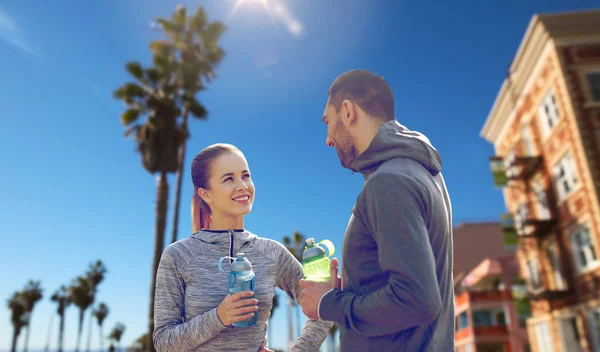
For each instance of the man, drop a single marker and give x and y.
(396, 289)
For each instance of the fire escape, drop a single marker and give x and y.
(515, 170)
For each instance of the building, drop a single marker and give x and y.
(474, 242)
(545, 128)
(487, 318)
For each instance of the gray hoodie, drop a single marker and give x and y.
(397, 254)
(189, 287)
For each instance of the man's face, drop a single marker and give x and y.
(338, 135)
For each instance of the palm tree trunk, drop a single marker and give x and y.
(90, 325)
(80, 330)
(179, 179)
(61, 333)
(298, 327)
(290, 323)
(159, 241)
(47, 348)
(101, 339)
(28, 327)
(13, 347)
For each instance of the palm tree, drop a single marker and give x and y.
(31, 294)
(273, 307)
(101, 312)
(81, 295)
(18, 318)
(158, 138)
(157, 95)
(332, 332)
(193, 43)
(116, 333)
(95, 276)
(63, 298)
(295, 246)
(140, 344)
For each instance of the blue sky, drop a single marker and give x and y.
(74, 189)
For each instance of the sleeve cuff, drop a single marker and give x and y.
(214, 322)
(321, 300)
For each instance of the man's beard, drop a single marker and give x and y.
(345, 147)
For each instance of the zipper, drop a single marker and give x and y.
(231, 240)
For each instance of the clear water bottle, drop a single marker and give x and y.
(315, 263)
(241, 278)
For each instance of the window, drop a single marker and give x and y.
(533, 275)
(583, 249)
(559, 281)
(570, 334)
(463, 321)
(548, 112)
(509, 164)
(528, 141)
(543, 337)
(482, 318)
(543, 208)
(593, 81)
(521, 216)
(565, 176)
(595, 327)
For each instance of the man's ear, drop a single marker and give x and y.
(348, 112)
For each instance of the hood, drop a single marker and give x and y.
(393, 140)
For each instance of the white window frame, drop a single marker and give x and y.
(565, 176)
(527, 140)
(568, 338)
(534, 279)
(554, 258)
(520, 217)
(509, 163)
(594, 320)
(588, 250)
(541, 201)
(548, 112)
(588, 85)
(543, 337)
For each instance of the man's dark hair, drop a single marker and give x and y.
(368, 90)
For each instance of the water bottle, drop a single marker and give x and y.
(241, 278)
(315, 264)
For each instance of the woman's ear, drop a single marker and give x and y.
(205, 195)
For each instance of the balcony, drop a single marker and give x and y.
(538, 228)
(549, 294)
(513, 168)
(494, 330)
(522, 225)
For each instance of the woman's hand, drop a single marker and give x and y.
(237, 307)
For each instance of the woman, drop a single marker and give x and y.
(193, 309)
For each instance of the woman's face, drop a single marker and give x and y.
(231, 191)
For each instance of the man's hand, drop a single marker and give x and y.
(313, 291)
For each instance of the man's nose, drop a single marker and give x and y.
(329, 142)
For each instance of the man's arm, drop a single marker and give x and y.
(395, 204)
(289, 274)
